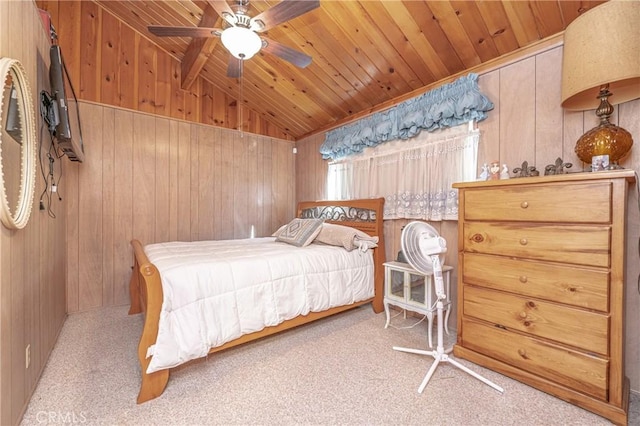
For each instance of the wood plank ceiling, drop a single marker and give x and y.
(365, 52)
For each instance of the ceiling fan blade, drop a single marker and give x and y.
(234, 69)
(161, 31)
(222, 8)
(297, 58)
(282, 12)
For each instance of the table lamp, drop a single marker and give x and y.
(600, 67)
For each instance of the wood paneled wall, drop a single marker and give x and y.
(110, 63)
(32, 275)
(527, 123)
(159, 179)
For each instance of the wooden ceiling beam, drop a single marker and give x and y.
(199, 50)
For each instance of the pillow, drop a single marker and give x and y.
(279, 231)
(345, 236)
(300, 232)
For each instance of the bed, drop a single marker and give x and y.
(158, 354)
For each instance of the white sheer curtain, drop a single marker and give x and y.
(413, 176)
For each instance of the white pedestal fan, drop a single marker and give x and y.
(424, 250)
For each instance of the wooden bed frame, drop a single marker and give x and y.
(145, 287)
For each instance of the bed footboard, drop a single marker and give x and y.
(145, 289)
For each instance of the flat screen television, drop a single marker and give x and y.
(68, 132)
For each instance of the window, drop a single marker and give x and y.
(414, 176)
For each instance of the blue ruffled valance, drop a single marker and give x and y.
(446, 106)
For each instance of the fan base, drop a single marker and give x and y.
(441, 355)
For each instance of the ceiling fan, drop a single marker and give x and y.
(240, 37)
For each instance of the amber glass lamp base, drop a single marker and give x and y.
(606, 139)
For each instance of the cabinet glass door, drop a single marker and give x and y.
(416, 288)
(397, 284)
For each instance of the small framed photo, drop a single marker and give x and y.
(599, 163)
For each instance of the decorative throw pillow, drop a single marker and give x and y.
(279, 231)
(300, 232)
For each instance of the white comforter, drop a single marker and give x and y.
(216, 291)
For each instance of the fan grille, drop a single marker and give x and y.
(417, 240)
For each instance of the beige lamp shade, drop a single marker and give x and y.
(602, 46)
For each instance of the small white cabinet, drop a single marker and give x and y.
(409, 289)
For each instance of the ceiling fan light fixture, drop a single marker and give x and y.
(241, 42)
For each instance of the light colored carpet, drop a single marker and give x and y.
(341, 370)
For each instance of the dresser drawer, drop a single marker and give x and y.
(574, 203)
(586, 288)
(583, 329)
(574, 369)
(581, 245)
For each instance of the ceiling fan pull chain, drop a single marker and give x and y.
(241, 99)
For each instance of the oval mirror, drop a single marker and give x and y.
(17, 146)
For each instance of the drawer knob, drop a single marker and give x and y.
(524, 204)
(477, 238)
(523, 314)
(523, 353)
(523, 279)
(523, 241)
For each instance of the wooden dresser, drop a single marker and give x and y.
(541, 284)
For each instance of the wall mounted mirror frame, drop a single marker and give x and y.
(18, 140)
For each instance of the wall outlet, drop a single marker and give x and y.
(27, 356)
